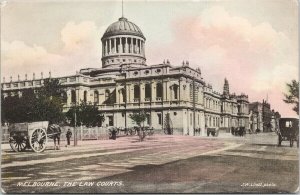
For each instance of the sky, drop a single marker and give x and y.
(253, 43)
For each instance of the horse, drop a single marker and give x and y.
(54, 132)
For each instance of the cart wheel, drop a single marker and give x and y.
(38, 140)
(279, 140)
(18, 143)
(291, 142)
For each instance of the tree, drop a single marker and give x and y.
(139, 118)
(46, 104)
(86, 114)
(292, 97)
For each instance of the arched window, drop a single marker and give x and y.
(64, 96)
(159, 90)
(147, 90)
(73, 96)
(175, 89)
(106, 94)
(96, 97)
(123, 91)
(85, 96)
(136, 92)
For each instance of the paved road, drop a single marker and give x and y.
(159, 164)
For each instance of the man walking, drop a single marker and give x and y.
(68, 136)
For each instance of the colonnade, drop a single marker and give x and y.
(123, 45)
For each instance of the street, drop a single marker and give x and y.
(160, 164)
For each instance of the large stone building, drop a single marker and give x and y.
(262, 118)
(177, 95)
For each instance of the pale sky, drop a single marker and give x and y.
(253, 43)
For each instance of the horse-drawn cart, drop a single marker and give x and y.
(32, 135)
(288, 131)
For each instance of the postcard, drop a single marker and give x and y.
(136, 96)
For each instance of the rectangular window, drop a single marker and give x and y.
(72, 79)
(110, 121)
(63, 80)
(191, 120)
(159, 118)
(288, 124)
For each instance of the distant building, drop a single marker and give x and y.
(262, 117)
(177, 95)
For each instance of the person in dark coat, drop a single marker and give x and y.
(68, 136)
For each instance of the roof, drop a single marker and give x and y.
(123, 27)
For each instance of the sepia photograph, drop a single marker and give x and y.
(149, 96)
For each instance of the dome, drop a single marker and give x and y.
(123, 27)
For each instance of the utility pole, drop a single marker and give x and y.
(194, 107)
(75, 120)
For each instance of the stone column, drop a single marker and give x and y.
(111, 47)
(126, 45)
(143, 48)
(117, 89)
(142, 92)
(166, 90)
(78, 95)
(115, 45)
(182, 89)
(106, 47)
(128, 93)
(134, 46)
(153, 91)
(131, 45)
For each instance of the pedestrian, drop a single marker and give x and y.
(68, 136)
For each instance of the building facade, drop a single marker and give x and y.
(262, 118)
(177, 95)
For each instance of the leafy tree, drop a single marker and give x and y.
(45, 104)
(292, 97)
(86, 114)
(52, 89)
(139, 119)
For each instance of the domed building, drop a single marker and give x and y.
(123, 42)
(175, 98)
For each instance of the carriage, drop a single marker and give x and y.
(32, 135)
(288, 131)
